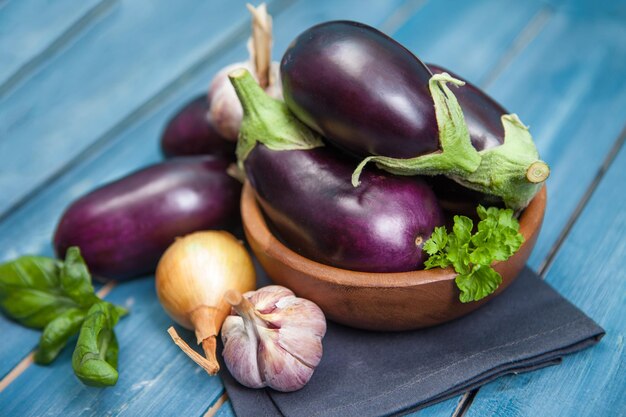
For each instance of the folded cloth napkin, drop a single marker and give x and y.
(363, 373)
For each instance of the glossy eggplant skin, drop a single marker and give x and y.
(360, 89)
(307, 196)
(482, 113)
(189, 132)
(123, 227)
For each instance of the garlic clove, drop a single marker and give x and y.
(280, 369)
(240, 352)
(265, 299)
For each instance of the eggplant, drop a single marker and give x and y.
(369, 95)
(304, 189)
(361, 90)
(380, 226)
(190, 132)
(123, 227)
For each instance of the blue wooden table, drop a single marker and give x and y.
(85, 89)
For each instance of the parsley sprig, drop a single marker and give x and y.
(497, 237)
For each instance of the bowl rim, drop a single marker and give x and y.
(256, 228)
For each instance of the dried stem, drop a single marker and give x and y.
(261, 43)
(208, 364)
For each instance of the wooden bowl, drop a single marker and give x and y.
(378, 301)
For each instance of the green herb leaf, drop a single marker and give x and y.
(496, 238)
(479, 283)
(76, 280)
(95, 357)
(30, 291)
(57, 333)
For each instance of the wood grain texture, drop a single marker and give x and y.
(589, 271)
(108, 72)
(467, 37)
(29, 27)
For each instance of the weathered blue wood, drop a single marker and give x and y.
(29, 27)
(569, 86)
(108, 72)
(589, 271)
(467, 37)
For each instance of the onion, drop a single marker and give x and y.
(191, 279)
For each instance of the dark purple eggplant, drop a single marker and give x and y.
(189, 132)
(305, 191)
(307, 196)
(369, 95)
(122, 228)
(360, 89)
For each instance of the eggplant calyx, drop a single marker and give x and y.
(457, 155)
(513, 170)
(267, 121)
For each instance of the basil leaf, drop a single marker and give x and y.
(34, 290)
(76, 280)
(95, 357)
(30, 291)
(57, 333)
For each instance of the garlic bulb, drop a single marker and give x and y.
(272, 338)
(226, 112)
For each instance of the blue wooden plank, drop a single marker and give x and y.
(111, 70)
(589, 271)
(468, 37)
(29, 27)
(569, 86)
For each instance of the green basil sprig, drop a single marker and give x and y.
(58, 297)
(95, 357)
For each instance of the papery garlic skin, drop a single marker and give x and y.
(273, 339)
(226, 112)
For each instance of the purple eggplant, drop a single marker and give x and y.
(361, 90)
(189, 132)
(122, 228)
(369, 95)
(305, 191)
(378, 227)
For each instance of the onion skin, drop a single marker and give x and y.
(309, 200)
(189, 132)
(123, 228)
(360, 89)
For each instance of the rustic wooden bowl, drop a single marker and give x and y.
(378, 301)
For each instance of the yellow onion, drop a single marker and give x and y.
(191, 279)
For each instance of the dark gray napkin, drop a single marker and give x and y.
(527, 327)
